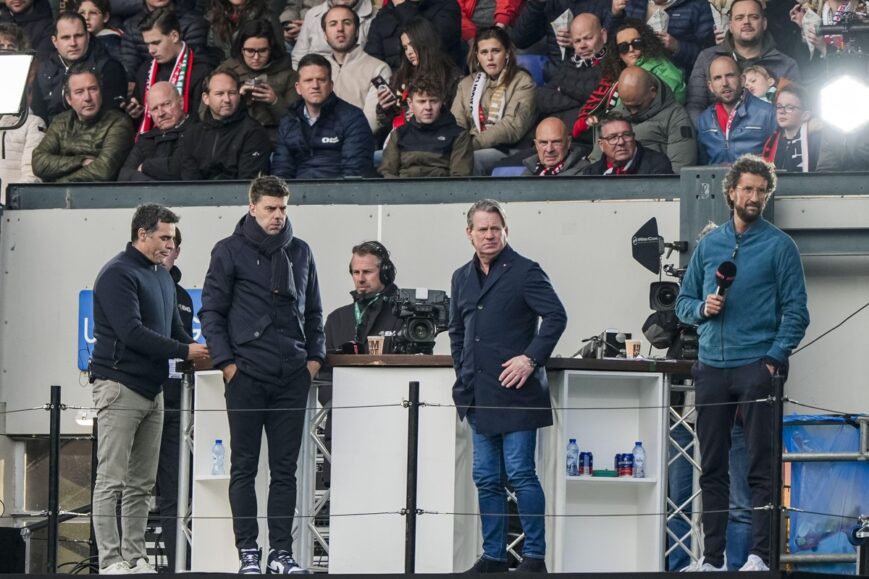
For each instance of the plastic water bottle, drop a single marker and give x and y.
(572, 458)
(639, 460)
(218, 452)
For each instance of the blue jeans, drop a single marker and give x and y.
(500, 459)
(738, 521)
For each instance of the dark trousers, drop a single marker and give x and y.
(259, 406)
(720, 386)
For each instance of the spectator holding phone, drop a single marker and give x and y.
(352, 67)
(267, 76)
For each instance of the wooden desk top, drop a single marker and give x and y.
(443, 361)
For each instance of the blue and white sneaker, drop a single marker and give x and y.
(250, 561)
(282, 563)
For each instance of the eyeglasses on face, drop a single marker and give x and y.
(637, 44)
(752, 191)
(787, 108)
(613, 139)
(255, 51)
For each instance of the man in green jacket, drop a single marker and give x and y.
(85, 143)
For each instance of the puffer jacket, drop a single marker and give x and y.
(282, 79)
(16, 150)
(48, 98)
(506, 12)
(519, 111)
(664, 127)
(777, 63)
(134, 51)
(338, 144)
(311, 38)
(752, 126)
(68, 141)
(441, 149)
(690, 23)
(219, 149)
(569, 87)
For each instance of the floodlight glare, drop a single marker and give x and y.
(842, 103)
(14, 70)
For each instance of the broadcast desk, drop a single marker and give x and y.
(599, 524)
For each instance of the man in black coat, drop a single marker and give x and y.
(623, 155)
(227, 143)
(137, 329)
(499, 354)
(578, 75)
(74, 44)
(262, 317)
(156, 155)
(34, 18)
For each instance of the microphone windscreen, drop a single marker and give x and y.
(726, 274)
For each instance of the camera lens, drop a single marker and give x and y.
(421, 330)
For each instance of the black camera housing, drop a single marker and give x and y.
(662, 295)
(424, 314)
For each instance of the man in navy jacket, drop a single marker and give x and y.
(745, 336)
(322, 136)
(138, 329)
(499, 355)
(261, 311)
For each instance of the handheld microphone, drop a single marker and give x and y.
(724, 276)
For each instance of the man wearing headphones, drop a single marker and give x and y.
(371, 312)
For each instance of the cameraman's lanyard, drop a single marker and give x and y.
(361, 314)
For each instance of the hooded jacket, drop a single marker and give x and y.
(48, 94)
(312, 39)
(220, 149)
(268, 335)
(664, 127)
(37, 24)
(752, 126)
(441, 149)
(777, 63)
(136, 323)
(68, 141)
(338, 144)
(516, 121)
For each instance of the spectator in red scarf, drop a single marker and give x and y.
(623, 155)
(796, 143)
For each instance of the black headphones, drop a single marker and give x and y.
(387, 268)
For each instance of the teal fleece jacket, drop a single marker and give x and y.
(765, 313)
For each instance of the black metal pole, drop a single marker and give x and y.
(776, 499)
(412, 459)
(53, 477)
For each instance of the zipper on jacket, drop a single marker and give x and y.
(732, 258)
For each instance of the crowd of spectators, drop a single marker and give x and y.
(219, 89)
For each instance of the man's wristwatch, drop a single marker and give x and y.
(532, 362)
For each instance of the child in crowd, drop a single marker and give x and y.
(759, 82)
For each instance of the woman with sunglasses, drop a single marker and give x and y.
(633, 44)
(495, 103)
(268, 81)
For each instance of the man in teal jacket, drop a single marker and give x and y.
(746, 336)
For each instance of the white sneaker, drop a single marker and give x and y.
(142, 567)
(701, 566)
(754, 563)
(119, 568)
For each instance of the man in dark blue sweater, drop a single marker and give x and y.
(137, 329)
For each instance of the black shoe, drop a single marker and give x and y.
(484, 565)
(282, 563)
(529, 565)
(250, 561)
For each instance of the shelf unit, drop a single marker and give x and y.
(606, 524)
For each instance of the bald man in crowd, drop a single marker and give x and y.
(154, 157)
(659, 122)
(554, 157)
